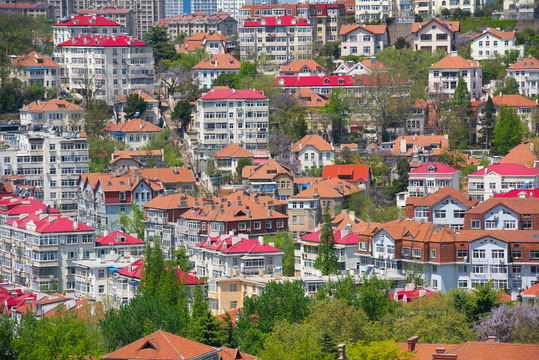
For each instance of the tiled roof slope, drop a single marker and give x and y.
(507, 170)
(268, 170)
(235, 245)
(315, 141)
(49, 223)
(519, 205)
(219, 61)
(529, 63)
(232, 150)
(134, 125)
(522, 154)
(330, 188)
(88, 20)
(51, 105)
(440, 195)
(34, 59)
(455, 62)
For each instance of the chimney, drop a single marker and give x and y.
(492, 338)
(315, 193)
(353, 215)
(129, 182)
(238, 202)
(75, 225)
(248, 212)
(341, 349)
(269, 213)
(261, 240)
(412, 342)
(403, 146)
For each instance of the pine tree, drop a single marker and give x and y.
(508, 131)
(170, 285)
(153, 269)
(488, 122)
(327, 260)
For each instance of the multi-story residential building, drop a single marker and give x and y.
(228, 157)
(431, 177)
(92, 278)
(104, 197)
(152, 113)
(192, 24)
(214, 43)
(493, 41)
(417, 117)
(302, 68)
(270, 178)
(444, 76)
(419, 148)
(36, 10)
(124, 17)
(57, 114)
(526, 109)
(208, 7)
(276, 40)
(208, 70)
(367, 10)
(50, 163)
(108, 66)
(519, 193)
(520, 9)
(501, 178)
(501, 213)
(364, 67)
(232, 116)
(446, 206)
(35, 68)
(228, 255)
(435, 35)
(118, 243)
(135, 133)
(526, 73)
(453, 5)
(39, 250)
(363, 40)
(305, 209)
(78, 26)
(313, 152)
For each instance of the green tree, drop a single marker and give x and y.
(182, 112)
(488, 122)
(401, 43)
(484, 299)
(508, 131)
(457, 117)
(134, 222)
(401, 183)
(248, 69)
(7, 336)
(227, 79)
(509, 87)
(377, 350)
(153, 269)
(327, 260)
(135, 106)
(164, 141)
(182, 260)
(157, 38)
(338, 109)
(243, 162)
(284, 241)
(374, 299)
(288, 116)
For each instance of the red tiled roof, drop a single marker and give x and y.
(140, 93)
(175, 201)
(135, 271)
(232, 150)
(524, 193)
(308, 98)
(534, 290)
(87, 21)
(329, 189)
(168, 175)
(334, 80)
(277, 21)
(268, 170)
(507, 169)
(296, 66)
(48, 223)
(219, 61)
(226, 212)
(519, 205)
(529, 63)
(134, 125)
(475, 350)
(235, 245)
(315, 141)
(497, 33)
(348, 239)
(440, 195)
(15, 205)
(114, 238)
(233, 94)
(51, 105)
(522, 154)
(352, 173)
(450, 25)
(439, 168)
(373, 29)
(34, 59)
(97, 40)
(234, 354)
(455, 62)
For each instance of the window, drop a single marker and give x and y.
(101, 274)
(526, 225)
(516, 269)
(475, 224)
(479, 269)
(534, 254)
(233, 305)
(439, 214)
(463, 283)
(406, 251)
(433, 254)
(242, 226)
(280, 224)
(268, 224)
(462, 268)
(435, 283)
(509, 224)
(101, 289)
(233, 287)
(86, 254)
(461, 254)
(416, 253)
(421, 212)
(434, 268)
(458, 214)
(258, 225)
(498, 254)
(479, 254)
(516, 254)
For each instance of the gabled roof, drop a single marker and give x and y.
(49, 223)
(417, 231)
(247, 94)
(373, 29)
(507, 169)
(529, 63)
(347, 221)
(134, 125)
(168, 175)
(232, 150)
(315, 141)
(533, 291)
(516, 101)
(246, 198)
(98, 40)
(449, 25)
(519, 236)
(237, 245)
(219, 61)
(329, 189)
(51, 105)
(136, 153)
(497, 33)
(308, 98)
(140, 93)
(34, 59)
(522, 193)
(77, 20)
(176, 201)
(455, 62)
(522, 154)
(234, 354)
(373, 66)
(518, 205)
(434, 168)
(15, 205)
(114, 238)
(231, 211)
(277, 21)
(352, 173)
(265, 171)
(440, 195)
(420, 141)
(349, 238)
(297, 65)
(163, 345)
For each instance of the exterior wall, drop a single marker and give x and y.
(206, 77)
(65, 33)
(281, 186)
(48, 76)
(362, 43)
(528, 80)
(488, 45)
(310, 157)
(225, 294)
(434, 37)
(501, 218)
(151, 115)
(485, 186)
(423, 184)
(61, 120)
(449, 212)
(135, 140)
(303, 214)
(373, 9)
(444, 81)
(519, 9)
(306, 253)
(227, 26)
(452, 5)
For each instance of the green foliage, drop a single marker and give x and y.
(157, 38)
(182, 260)
(352, 58)
(374, 297)
(509, 87)
(367, 210)
(401, 183)
(337, 108)
(203, 326)
(488, 122)
(284, 241)
(289, 116)
(458, 115)
(508, 131)
(135, 104)
(153, 269)
(227, 79)
(7, 350)
(484, 299)
(314, 171)
(493, 69)
(14, 94)
(476, 24)
(243, 162)
(327, 260)
(401, 43)
(182, 112)
(266, 83)
(164, 141)
(134, 222)
(248, 69)
(377, 350)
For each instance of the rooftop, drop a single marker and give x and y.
(440, 195)
(315, 141)
(34, 59)
(51, 105)
(453, 61)
(88, 20)
(133, 125)
(48, 223)
(529, 63)
(507, 169)
(352, 173)
(277, 21)
(219, 61)
(247, 94)
(106, 41)
(434, 168)
(329, 188)
(230, 244)
(232, 150)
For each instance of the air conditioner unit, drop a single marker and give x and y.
(465, 259)
(62, 242)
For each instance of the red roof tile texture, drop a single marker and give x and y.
(315, 141)
(352, 173)
(373, 29)
(522, 154)
(440, 195)
(455, 62)
(34, 59)
(233, 94)
(97, 40)
(497, 33)
(88, 20)
(117, 238)
(135, 126)
(507, 169)
(297, 65)
(434, 168)
(236, 245)
(49, 223)
(51, 105)
(329, 189)
(271, 21)
(219, 61)
(529, 63)
(232, 150)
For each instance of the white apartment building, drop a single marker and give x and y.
(58, 114)
(36, 68)
(135, 133)
(492, 42)
(374, 9)
(208, 70)
(77, 26)
(51, 163)
(444, 76)
(526, 73)
(520, 9)
(108, 66)
(363, 40)
(232, 116)
(276, 40)
(452, 5)
(435, 35)
(39, 250)
(229, 255)
(501, 178)
(230, 6)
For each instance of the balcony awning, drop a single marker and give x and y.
(246, 257)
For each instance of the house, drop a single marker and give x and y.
(152, 113)
(313, 151)
(501, 213)
(419, 148)
(435, 35)
(523, 154)
(372, 10)
(306, 208)
(444, 76)
(208, 70)
(172, 179)
(53, 114)
(302, 68)
(229, 255)
(35, 68)
(228, 157)
(525, 108)
(271, 178)
(137, 159)
(363, 67)
(135, 133)
(526, 72)
(124, 17)
(363, 40)
(445, 206)
(357, 174)
(213, 44)
(501, 178)
(431, 177)
(519, 9)
(531, 294)
(119, 244)
(493, 41)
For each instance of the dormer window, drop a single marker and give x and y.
(432, 168)
(279, 22)
(341, 81)
(326, 81)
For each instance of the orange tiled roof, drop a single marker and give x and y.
(519, 205)
(226, 211)
(297, 65)
(163, 345)
(343, 220)
(534, 290)
(268, 170)
(514, 101)
(176, 201)
(420, 141)
(124, 157)
(475, 350)
(423, 232)
(136, 153)
(168, 175)
(51, 105)
(522, 154)
(349, 146)
(455, 62)
(330, 189)
(308, 98)
(246, 197)
(315, 141)
(376, 66)
(440, 195)
(34, 59)
(499, 34)
(373, 29)
(134, 125)
(219, 61)
(450, 25)
(140, 93)
(529, 63)
(234, 354)
(233, 150)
